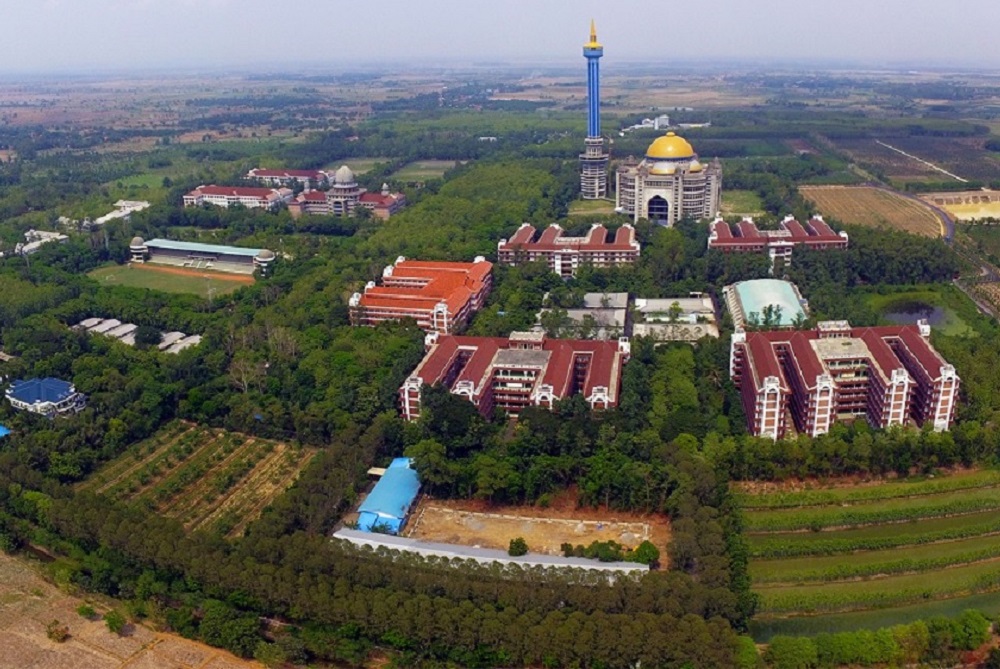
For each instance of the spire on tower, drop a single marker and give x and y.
(593, 43)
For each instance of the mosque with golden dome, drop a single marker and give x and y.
(669, 183)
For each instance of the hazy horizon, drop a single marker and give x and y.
(82, 36)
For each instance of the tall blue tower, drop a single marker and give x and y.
(594, 159)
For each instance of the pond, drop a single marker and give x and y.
(910, 311)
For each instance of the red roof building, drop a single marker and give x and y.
(308, 178)
(441, 296)
(383, 204)
(746, 237)
(889, 375)
(227, 196)
(565, 254)
(526, 369)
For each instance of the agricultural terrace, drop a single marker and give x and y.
(887, 546)
(203, 283)
(205, 478)
(874, 207)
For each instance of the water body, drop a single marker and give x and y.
(907, 312)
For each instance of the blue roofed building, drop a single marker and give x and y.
(770, 303)
(48, 397)
(388, 504)
(4, 431)
(195, 255)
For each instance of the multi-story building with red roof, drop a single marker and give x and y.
(889, 375)
(526, 369)
(383, 204)
(441, 296)
(746, 237)
(598, 248)
(308, 178)
(227, 196)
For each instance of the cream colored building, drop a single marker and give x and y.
(669, 184)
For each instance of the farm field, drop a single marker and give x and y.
(839, 549)
(422, 170)
(28, 604)
(205, 478)
(874, 207)
(170, 279)
(469, 523)
(741, 203)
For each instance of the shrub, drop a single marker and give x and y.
(518, 547)
(789, 652)
(86, 611)
(56, 631)
(115, 621)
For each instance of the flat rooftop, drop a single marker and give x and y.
(757, 294)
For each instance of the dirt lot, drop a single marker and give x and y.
(474, 523)
(28, 603)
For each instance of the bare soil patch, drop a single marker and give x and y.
(28, 603)
(477, 523)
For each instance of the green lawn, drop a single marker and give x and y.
(145, 277)
(422, 170)
(357, 165)
(741, 203)
(585, 207)
(924, 557)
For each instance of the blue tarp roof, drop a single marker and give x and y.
(390, 500)
(202, 248)
(41, 390)
(4, 431)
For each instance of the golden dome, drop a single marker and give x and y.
(695, 166)
(670, 147)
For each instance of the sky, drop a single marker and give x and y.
(54, 36)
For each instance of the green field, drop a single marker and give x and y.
(357, 165)
(741, 203)
(864, 549)
(591, 207)
(146, 277)
(422, 170)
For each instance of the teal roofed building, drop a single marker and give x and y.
(769, 303)
(388, 504)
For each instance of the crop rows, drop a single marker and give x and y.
(870, 493)
(867, 564)
(136, 456)
(882, 511)
(880, 593)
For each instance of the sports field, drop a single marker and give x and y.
(171, 279)
(205, 478)
(874, 207)
(741, 203)
(591, 207)
(829, 550)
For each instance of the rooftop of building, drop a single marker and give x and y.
(282, 173)
(483, 353)
(789, 230)
(198, 247)
(391, 498)
(32, 391)
(670, 147)
(237, 191)
(431, 283)
(553, 238)
(757, 294)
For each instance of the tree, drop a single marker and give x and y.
(147, 336)
(115, 621)
(645, 553)
(518, 547)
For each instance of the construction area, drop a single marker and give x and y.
(474, 523)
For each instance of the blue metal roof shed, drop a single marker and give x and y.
(197, 247)
(4, 431)
(41, 390)
(390, 500)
